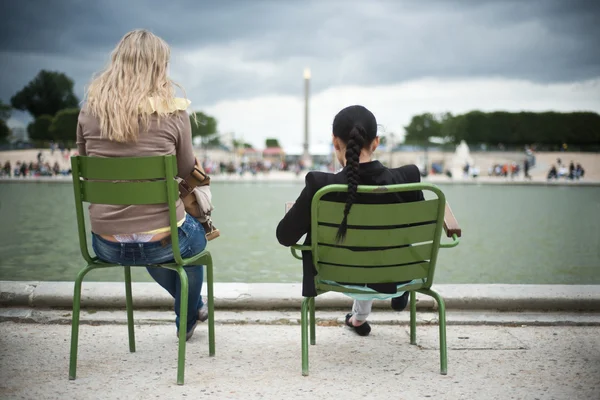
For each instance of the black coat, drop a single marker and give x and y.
(296, 222)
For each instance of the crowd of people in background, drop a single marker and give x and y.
(256, 167)
(513, 169)
(505, 170)
(572, 171)
(23, 169)
(64, 151)
(40, 167)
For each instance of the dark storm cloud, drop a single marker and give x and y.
(235, 49)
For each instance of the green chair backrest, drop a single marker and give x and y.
(385, 243)
(125, 181)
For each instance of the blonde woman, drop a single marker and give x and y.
(131, 111)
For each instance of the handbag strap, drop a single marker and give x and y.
(196, 178)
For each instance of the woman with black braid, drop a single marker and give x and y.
(354, 140)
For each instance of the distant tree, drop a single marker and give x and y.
(5, 111)
(4, 130)
(64, 125)
(238, 144)
(48, 93)
(39, 129)
(203, 125)
(214, 141)
(422, 127)
(242, 145)
(517, 129)
(448, 126)
(271, 143)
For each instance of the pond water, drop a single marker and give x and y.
(511, 234)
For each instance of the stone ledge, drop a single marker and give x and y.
(277, 296)
(325, 317)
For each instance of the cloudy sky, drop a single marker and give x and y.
(242, 60)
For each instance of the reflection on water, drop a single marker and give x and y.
(511, 234)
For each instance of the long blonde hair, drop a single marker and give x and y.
(136, 75)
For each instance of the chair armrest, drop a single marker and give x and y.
(299, 247)
(451, 226)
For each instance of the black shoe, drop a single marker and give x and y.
(362, 330)
(190, 331)
(399, 303)
(203, 313)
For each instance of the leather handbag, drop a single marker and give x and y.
(194, 191)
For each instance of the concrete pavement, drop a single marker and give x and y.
(262, 361)
(504, 342)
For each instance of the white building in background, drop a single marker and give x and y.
(18, 131)
(19, 134)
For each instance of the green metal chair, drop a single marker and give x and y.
(417, 226)
(129, 181)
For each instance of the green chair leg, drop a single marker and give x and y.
(304, 327)
(129, 302)
(312, 321)
(413, 317)
(183, 314)
(211, 308)
(75, 321)
(442, 325)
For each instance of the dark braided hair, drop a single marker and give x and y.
(356, 127)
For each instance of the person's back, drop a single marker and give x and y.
(354, 140)
(163, 136)
(131, 111)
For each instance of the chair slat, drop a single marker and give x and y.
(378, 237)
(326, 287)
(330, 212)
(372, 274)
(124, 193)
(366, 258)
(124, 168)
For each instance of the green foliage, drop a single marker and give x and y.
(551, 128)
(204, 125)
(39, 129)
(5, 111)
(4, 130)
(48, 93)
(214, 141)
(4, 115)
(64, 125)
(580, 128)
(238, 144)
(271, 142)
(422, 127)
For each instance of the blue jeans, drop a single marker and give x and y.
(192, 240)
